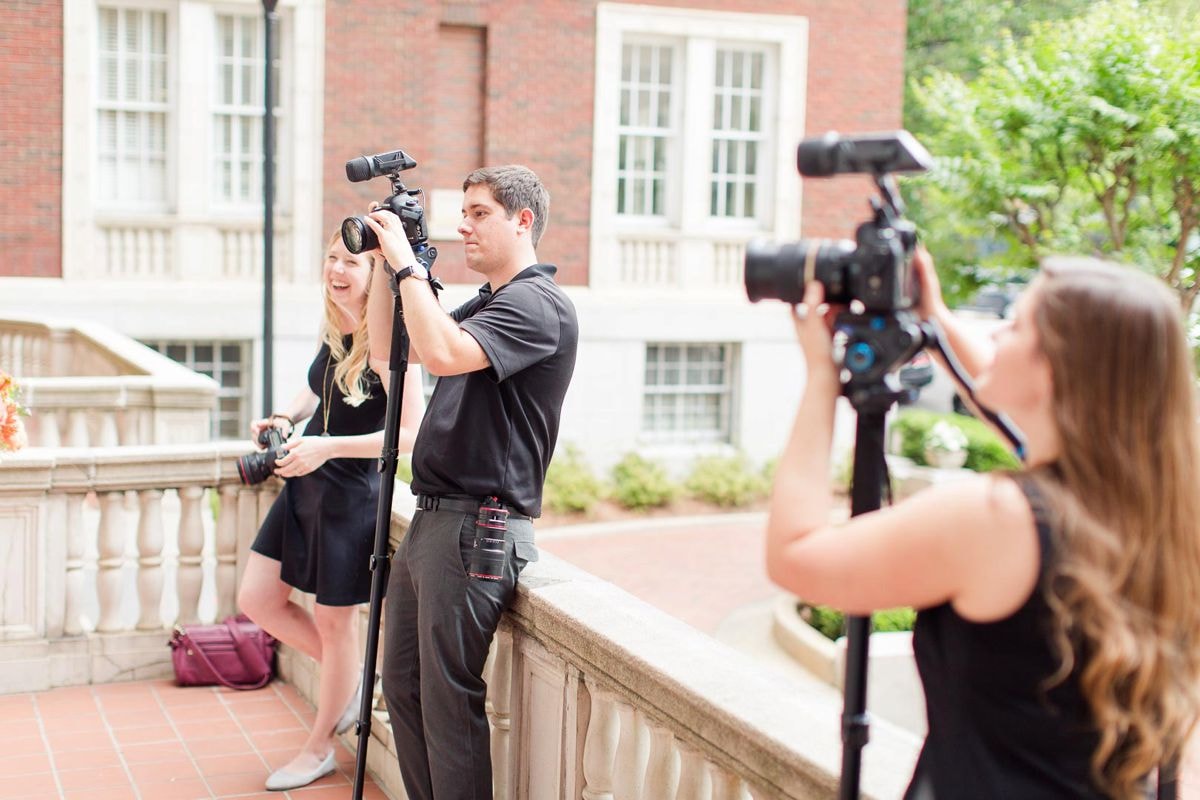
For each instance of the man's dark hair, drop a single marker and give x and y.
(516, 187)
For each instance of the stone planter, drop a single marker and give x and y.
(893, 685)
(945, 459)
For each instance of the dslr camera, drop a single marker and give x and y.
(257, 467)
(403, 202)
(872, 274)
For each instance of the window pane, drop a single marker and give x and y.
(691, 402)
(644, 128)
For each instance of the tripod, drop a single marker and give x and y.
(872, 398)
(398, 366)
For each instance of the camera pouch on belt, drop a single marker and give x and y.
(489, 555)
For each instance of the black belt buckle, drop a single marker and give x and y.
(427, 502)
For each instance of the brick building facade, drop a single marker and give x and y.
(131, 162)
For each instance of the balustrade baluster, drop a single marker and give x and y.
(600, 745)
(110, 546)
(77, 428)
(633, 748)
(47, 428)
(107, 436)
(727, 786)
(662, 770)
(226, 541)
(694, 780)
(499, 709)
(73, 613)
(191, 542)
(150, 560)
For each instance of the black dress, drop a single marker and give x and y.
(322, 526)
(996, 730)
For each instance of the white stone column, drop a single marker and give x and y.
(150, 559)
(191, 542)
(694, 780)
(227, 542)
(73, 614)
(633, 748)
(499, 710)
(600, 744)
(662, 770)
(110, 546)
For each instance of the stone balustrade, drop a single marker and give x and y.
(593, 694)
(87, 386)
(105, 548)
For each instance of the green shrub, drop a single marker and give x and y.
(726, 481)
(570, 484)
(831, 623)
(985, 450)
(640, 483)
(404, 468)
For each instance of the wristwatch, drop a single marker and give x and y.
(412, 271)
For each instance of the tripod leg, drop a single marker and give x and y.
(383, 524)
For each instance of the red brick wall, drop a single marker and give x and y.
(383, 89)
(31, 77)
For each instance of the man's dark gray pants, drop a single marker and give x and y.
(438, 628)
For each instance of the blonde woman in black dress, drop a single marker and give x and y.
(319, 534)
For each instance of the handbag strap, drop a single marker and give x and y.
(249, 651)
(221, 679)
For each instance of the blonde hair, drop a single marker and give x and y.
(348, 374)
(1125, 587)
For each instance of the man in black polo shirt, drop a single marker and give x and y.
(504, 360)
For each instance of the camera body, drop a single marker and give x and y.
(257, 467)
(873, 275)
(403, 202)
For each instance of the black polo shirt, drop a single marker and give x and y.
(492, 432)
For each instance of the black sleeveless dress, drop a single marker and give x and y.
(321, 528)
(995, 731)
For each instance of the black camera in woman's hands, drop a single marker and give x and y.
(257, 467)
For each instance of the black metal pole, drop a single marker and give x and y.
(865, 495)
(271, 19)
(383, 523)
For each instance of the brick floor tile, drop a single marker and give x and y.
(86, 759)
(266, 723)
(144, 735)
(231, 764)
(205, 712)
(208, 728)
(218, 746)
(24, 764)
(107, 793)
(155, 751)
(238, 783)
(279, 740)
(182, 789)
(93, 778)
(270, 704)
(165, 771)
(62, 740)
(25, 742)
(119, 720)
(38, 784)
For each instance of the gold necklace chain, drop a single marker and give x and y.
(324, 389)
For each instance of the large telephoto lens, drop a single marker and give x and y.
(357, 236)
(780, 271)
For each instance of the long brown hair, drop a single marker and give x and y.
(348, 374)
(1125, 589)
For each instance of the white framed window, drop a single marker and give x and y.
(697, 116)
(226, 362)
(647, 126)
(132, 106)
(739, 137)
(688, 392)
(237, 140)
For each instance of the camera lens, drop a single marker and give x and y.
(780, 271)
(256, 467)
(357, 236)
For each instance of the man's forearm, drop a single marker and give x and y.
(432, 333)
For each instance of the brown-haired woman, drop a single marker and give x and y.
(319, 535)
(1059, 606)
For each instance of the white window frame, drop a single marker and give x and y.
(177, 239)
(215, 368)
(673, 138)
(700, 33)
(726, 392)
(101, 195)
(220, 108)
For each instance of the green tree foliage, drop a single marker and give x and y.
(1083, 137)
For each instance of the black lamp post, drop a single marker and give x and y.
(268, 205)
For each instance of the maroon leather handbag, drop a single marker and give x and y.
(236, 653)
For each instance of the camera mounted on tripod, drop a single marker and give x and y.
(872, 275)
(403, 202)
